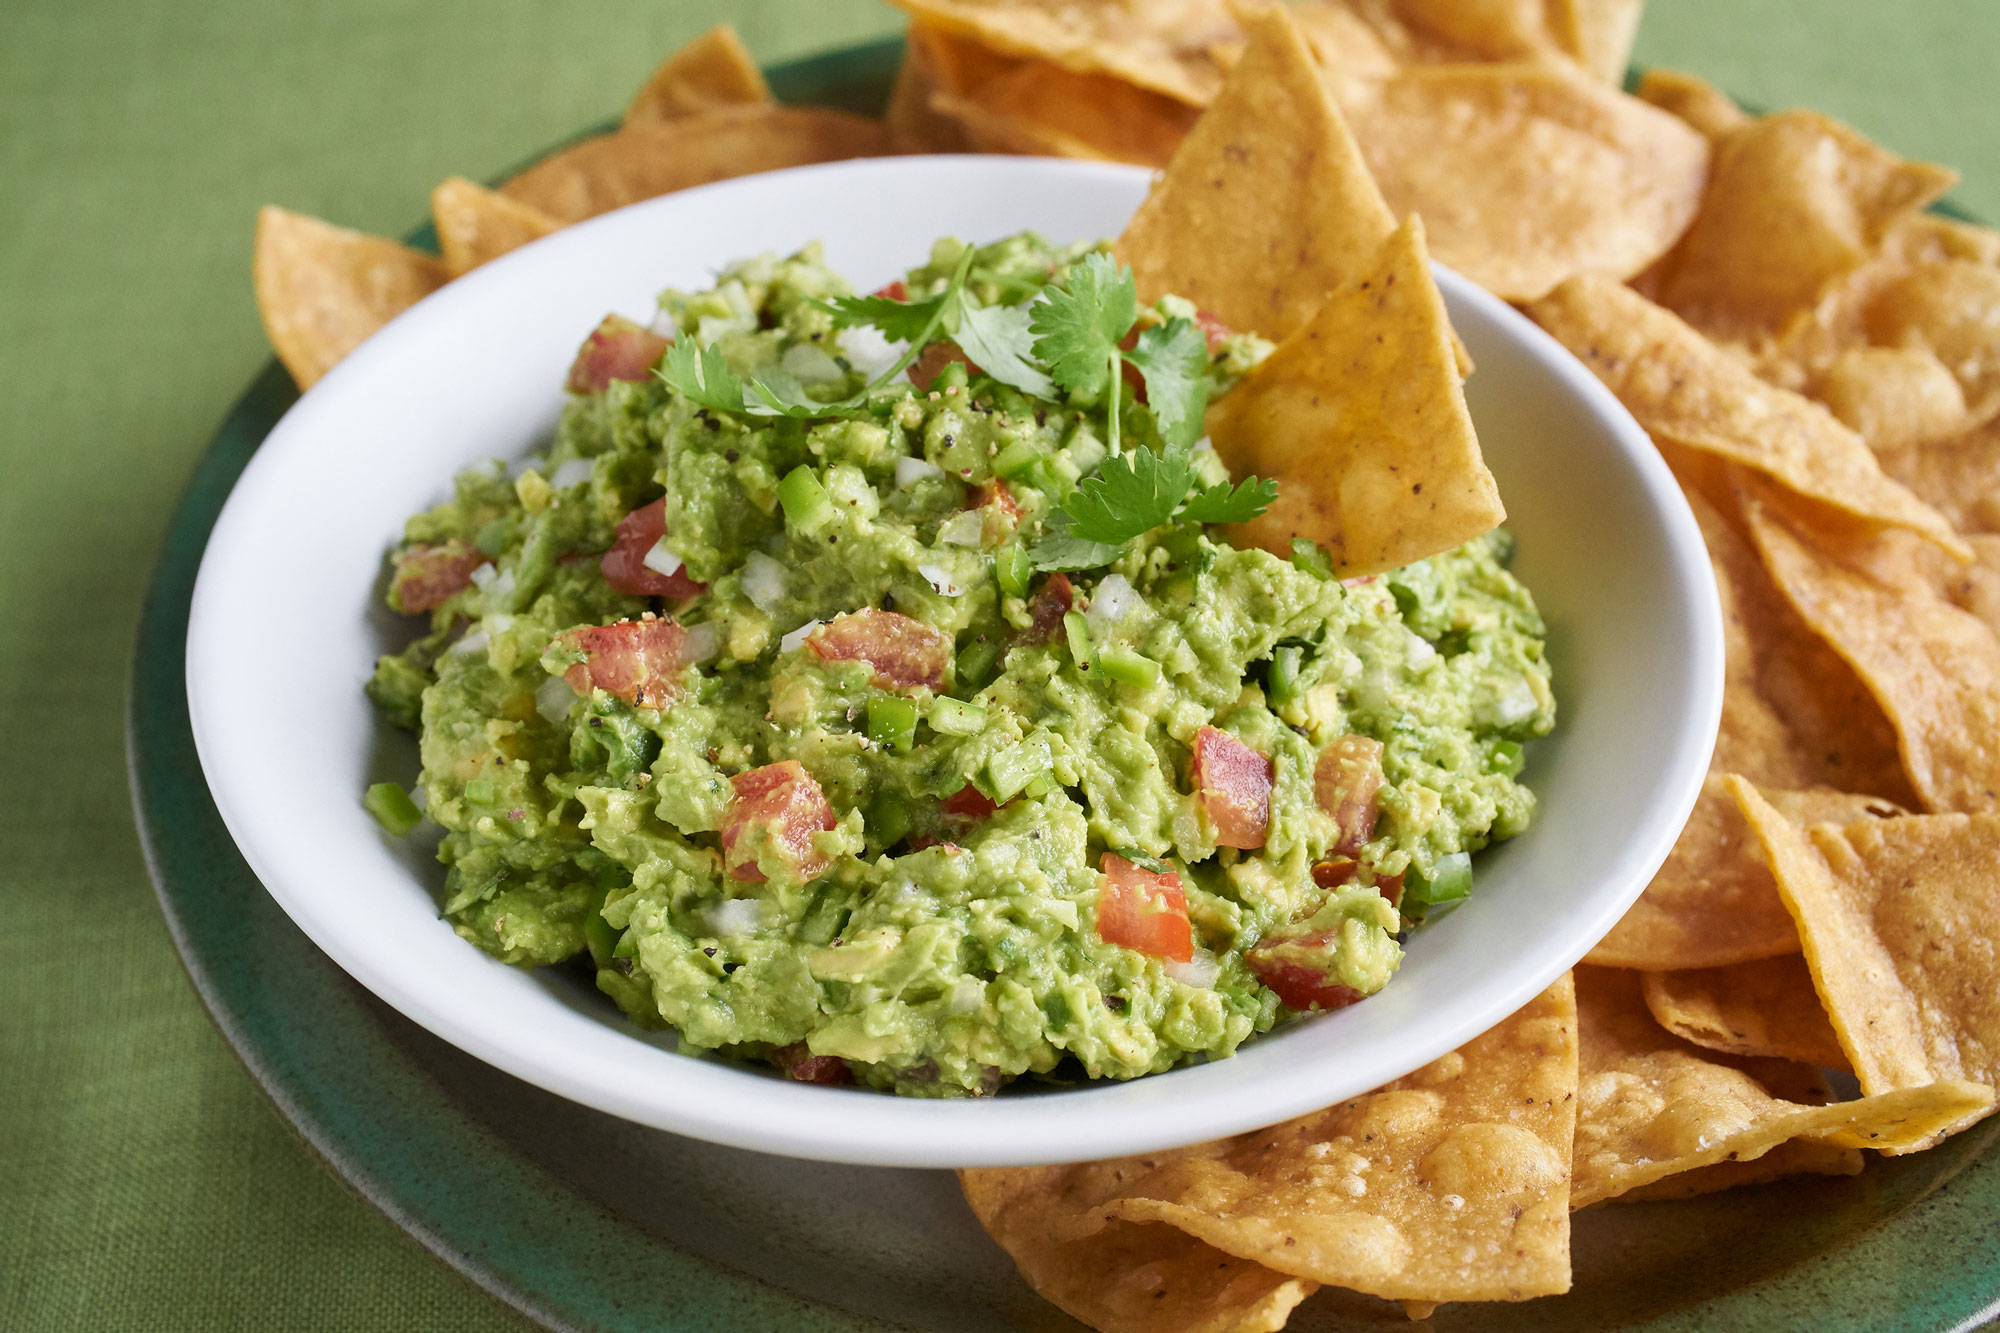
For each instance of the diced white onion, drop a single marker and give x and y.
(702, 642)
(471, 644)
(808, 363)
(737, 298)
(1113, 600)
(522, 466)
(711, 328)
(1204, 443)
(420, 796)
(796, 640)
(1422, 654)
(572, 472)
(967, 996)
(662, 561)
(483, 576)
(738, 916)
(1200, 970)
(1517, 705)
(553, 698)
(665, 324)
(868, 351)
(764, 581)
(963, 529)
(503, 586)
(941, 582)
(497, 623)
(910, 471)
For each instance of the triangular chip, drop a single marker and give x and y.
(1766, 1007)
(1600, 33)
(711, 71)
(1901, 923)
(475, 224)
(1961, 476)
(1695, 100)
(913, 124)
(1361, 415)
(1652, 1106)
(1795, 200)
(1267, 205)
(1527, 174)
(1895, 398)
(1045, 109)
(1449, 1184)
(1934, 668)
(1167, 46)
(1125, 1277)
(1794, 1157)
(1685, 389)
(655, 158)
(322, 289)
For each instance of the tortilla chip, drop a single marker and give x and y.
(475, 224)
(1893, 397)
(1794, 1157)
(1795, 201)
(1975, 588)
(1043, 108)
(1363, 415)
(1960, 476)
(654, 158)
(1651, 1106)
(1166, 46)
(1950, 309)
(1600, 34)
(322, 290)
(1684, 388)
(1527, 174)
(1934, 668)
(1449, 1184)
(1767, 1007)
(1126, 1277)
(913, 124)
(1345, 44)
(1695, 100)
(1267, 206)
(711, 71)
(1929, 238)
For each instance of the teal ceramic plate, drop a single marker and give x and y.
(583, 1221)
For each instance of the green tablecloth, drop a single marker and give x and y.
(144, 1182)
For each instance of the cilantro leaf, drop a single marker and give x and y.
(1221, 503)
(900, 321)
(1078, 329)
(1061, 548)
(998, 339)
(1173, 358)
(702, 375)
(1131, 493)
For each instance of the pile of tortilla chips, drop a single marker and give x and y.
(1817, 358)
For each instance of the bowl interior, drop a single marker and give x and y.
(287, 621)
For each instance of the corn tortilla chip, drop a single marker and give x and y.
(1043, 108)
(1794, 1157)
(1894, 397)
(1766, 1007)
(1795, 201)
(912, 123)
(1960, 476)
(648, 159)
(1950, 309)
(1901, 923)
(1685, 389)
(1166, 46)
(1362, 413)
(1695, 100)
(1600, 34)
(1594, 36)
(1266, 206)
(1527, 174)
(475, 224)
(1125, 1277)
(1975, 588)
(1651, 1106)
(1449, 1184)
(322, 290)
(1934, 668)
(711, 71)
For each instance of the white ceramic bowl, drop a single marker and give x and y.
(287, 623)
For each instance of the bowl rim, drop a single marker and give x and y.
(729, 1104)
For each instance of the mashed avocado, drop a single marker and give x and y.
(849, 778)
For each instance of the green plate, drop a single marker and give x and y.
(583, 1221)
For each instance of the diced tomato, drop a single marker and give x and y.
(1233, 783)
(1339, 870)
(427, 577)
(903, 651)
(625, 567)
(998, 494)
(968, 802)
(800, 1064)
(1212, 329)
(1345, 780)
(617, 349)
(1050, 603)
(1291, 974)
(784, 799)
(935, 358)
(637, 660)
(1138, 909)
(895, 291)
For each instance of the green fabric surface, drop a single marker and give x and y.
(144, 1182)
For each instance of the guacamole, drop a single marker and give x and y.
(819, 728)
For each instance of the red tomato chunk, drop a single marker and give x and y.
(1138, 909)
(637, 660)
(784, 799)
(800, 1064)
(427, 577)
(1345, 780)
(935, 358)
(1050, 603)
(1233, 783)
(1213, 329)
(903, 652)
(624, 565)
(1299, 984)
(617, 349)
(968, 802)
(1339, 870)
